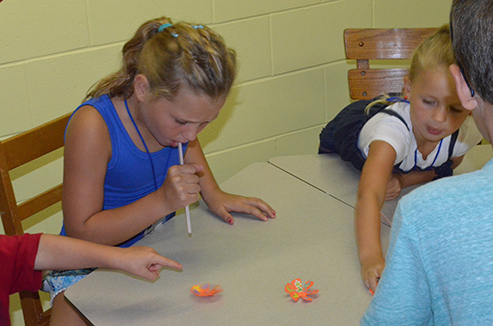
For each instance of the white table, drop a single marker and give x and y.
(339, 179)
(312, 238)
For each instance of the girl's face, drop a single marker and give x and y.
(436, 111)
(180, 120)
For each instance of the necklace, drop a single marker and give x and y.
(145, 146)
(436, 156)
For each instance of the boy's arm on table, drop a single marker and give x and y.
(59, 252)
(220, 202)
(372, 189)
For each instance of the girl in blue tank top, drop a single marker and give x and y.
(121, 169)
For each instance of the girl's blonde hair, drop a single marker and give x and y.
(435, 51)
(179, 56)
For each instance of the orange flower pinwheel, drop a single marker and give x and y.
(204, 290)
(297, 290)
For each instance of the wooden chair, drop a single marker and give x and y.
(368, 44)
(15, 152)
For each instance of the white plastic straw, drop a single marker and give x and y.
(187, 209)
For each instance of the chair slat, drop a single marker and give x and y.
(34, 143)
(40, 202)
(367, 84)
(380, 44)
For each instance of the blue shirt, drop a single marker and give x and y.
(129, 174)
(439, 266)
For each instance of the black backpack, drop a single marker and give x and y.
(341, 134)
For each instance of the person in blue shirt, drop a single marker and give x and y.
(122, 170)
(439, 265)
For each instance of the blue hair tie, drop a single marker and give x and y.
(198, 26)
(164, 26)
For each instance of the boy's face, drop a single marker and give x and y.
(180, 120)
(436, 110)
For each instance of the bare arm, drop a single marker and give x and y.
(219, 202)
(398, 182)
(58, 252)
(416, 177)
(371, 194)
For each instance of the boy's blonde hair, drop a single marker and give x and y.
(435, 51)
(179, 56)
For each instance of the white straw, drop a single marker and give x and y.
(187, 209)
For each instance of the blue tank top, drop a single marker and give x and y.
(129, 175)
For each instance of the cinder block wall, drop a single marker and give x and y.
(292, 76)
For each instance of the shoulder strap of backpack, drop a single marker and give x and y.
(397, 115)
(453, 140)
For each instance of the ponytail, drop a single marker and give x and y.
(173, 57)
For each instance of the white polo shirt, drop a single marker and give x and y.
(390, 129)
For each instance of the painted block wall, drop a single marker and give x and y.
(292, 76)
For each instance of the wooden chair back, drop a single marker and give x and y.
(15, 152)
(368, 44)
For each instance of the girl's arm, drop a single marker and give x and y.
(219, 202)
(87, 153)
(58, 252)
(371, 194)
(398, 182)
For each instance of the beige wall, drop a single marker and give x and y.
(292, 77)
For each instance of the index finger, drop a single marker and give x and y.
(198, 167)
(164, 262)
(189, 168)
(373, 284)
